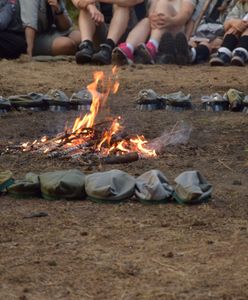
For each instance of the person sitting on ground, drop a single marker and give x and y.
(90, 17)
(234, 48)
(164, 16)
(12, 40)
(48, 28)
(207, 28)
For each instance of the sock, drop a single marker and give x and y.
(243, 42)
(155, 43)
(230, 42)
(110, 43)
(88, 42)
(193, 55)
(84, 43)
(202, 53)
(130, 47)
(226, 51)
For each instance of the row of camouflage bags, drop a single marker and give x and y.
(111, 186)
(54, 100)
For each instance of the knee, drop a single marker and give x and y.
(245, 33)
(64, 46)
(75, 36)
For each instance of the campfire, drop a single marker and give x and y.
(105, 140)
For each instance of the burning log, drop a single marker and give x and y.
(121, 159)
(106, 139)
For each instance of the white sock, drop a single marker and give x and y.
(225, 50)
(130, 47)
(193, 54)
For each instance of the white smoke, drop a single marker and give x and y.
(179, 134)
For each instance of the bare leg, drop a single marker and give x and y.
(75, 36)
(118, 23)
(140, 33)
(167, 9)
(86, 26)
(63, 46)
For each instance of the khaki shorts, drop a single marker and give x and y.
(43, 41)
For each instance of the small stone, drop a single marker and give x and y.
(52, 263)
(165, 224)
(209, 242)
(198, 223)
(83, 233)
(237, 182)
(169, 254)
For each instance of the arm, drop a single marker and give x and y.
(125, 3)
(184, 14)
(29, 17)
(165, 20)
(82, 4)
(62, 20)
(30, 36)
(6, 14)
(237, 24)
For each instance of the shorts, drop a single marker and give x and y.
(44, 41)
(12, 44)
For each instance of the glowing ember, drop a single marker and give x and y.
(87, 135)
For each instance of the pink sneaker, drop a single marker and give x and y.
(152, 49)
(122, 55)
(146, 53)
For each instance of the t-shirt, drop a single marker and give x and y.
(239, 11)
(38, 14)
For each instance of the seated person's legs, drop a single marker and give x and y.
(149, 51)
(56, 43)
(117, 28)
(123, 54)
(87, 29)
(224, 54)
(240, 54)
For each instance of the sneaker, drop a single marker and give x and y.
(221, 59)
(122, 55)
(183, 53)
(239, 58)
(85, 53)
(146, 53)
(166, 50)
(103, 56)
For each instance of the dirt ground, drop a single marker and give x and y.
(83, 250)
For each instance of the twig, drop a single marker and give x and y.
(225, 165)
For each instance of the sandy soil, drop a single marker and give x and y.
(84, 250)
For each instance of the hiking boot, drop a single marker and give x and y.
(85, 52)
(239, 58)
(146, 53)
(183, 53)
(103, 56)
(166, 50)
(221, 59)
(122, 55)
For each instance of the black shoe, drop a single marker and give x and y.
(239, 58)
(166, 50)
(143, 56)
(85, 52)
(221, 59)
(103, 56)
(183, 54)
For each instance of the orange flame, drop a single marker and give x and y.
(83, 129)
